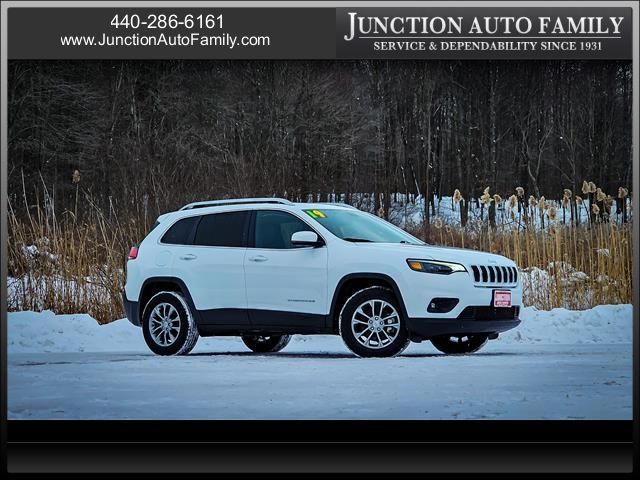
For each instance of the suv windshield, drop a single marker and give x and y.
(356, 226)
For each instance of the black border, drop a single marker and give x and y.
(557, 446)
(319, 446)
(361, 431)
(380, 459)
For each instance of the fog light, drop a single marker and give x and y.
(442, 305)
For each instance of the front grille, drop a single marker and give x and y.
(489, 313)
(494, 274)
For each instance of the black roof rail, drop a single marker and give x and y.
(236, 201)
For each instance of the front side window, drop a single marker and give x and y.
(222, 230)
(274, 229)
(180, 232)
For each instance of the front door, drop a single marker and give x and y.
(286, 285)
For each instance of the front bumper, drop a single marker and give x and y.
(418, 289)
(472, 320)
(131, 309)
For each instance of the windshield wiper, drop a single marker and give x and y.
(353, 239)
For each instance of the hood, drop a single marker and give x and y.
(431, 252)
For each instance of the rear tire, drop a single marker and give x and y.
(372, 324)
(459, 344)
(266, 343)
(168, 326)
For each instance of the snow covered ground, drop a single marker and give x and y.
(557, 364)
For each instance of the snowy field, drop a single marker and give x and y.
(557, 365)
(406, 211)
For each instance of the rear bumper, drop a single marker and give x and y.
(131, 310)
(472, 320)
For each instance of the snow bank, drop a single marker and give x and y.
(602, 324)
(33, 332)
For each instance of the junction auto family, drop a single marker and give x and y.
(414, 25)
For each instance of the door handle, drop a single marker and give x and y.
(258, 258)
(188, 256)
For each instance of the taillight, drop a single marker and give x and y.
(133, 253)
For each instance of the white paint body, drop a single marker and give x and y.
(305, 279)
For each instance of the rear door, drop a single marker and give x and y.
(212, 268)
(286, 285)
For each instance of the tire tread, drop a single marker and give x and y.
(192, 328)
(361, 351)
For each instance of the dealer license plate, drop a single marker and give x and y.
(502, 298)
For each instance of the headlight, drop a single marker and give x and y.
(435, 266)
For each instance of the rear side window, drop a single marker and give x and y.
(222, 230)
(180, 232)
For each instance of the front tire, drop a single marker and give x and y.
(266, 343)
(459, 344)
(168, 326)
(372, 324)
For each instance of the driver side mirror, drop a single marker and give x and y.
(306, 239)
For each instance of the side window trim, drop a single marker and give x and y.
(251, 230)
(251, 243)
(192, 235)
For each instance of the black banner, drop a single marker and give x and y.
(321, 33)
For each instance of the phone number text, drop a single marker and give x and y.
(171, 21)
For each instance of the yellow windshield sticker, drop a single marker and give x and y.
(316, 213)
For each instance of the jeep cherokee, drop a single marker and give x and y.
(265, 269)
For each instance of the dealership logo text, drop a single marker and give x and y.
(367, 27)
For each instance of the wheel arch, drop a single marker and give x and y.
(351, 283)
(154, 285)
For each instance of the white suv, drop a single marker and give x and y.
(264, 269)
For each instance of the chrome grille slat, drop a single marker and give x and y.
(476, 273)
(485, 277)
(494, 274)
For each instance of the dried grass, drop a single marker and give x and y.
(566, 265)
(76, 263)
(67, 264)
